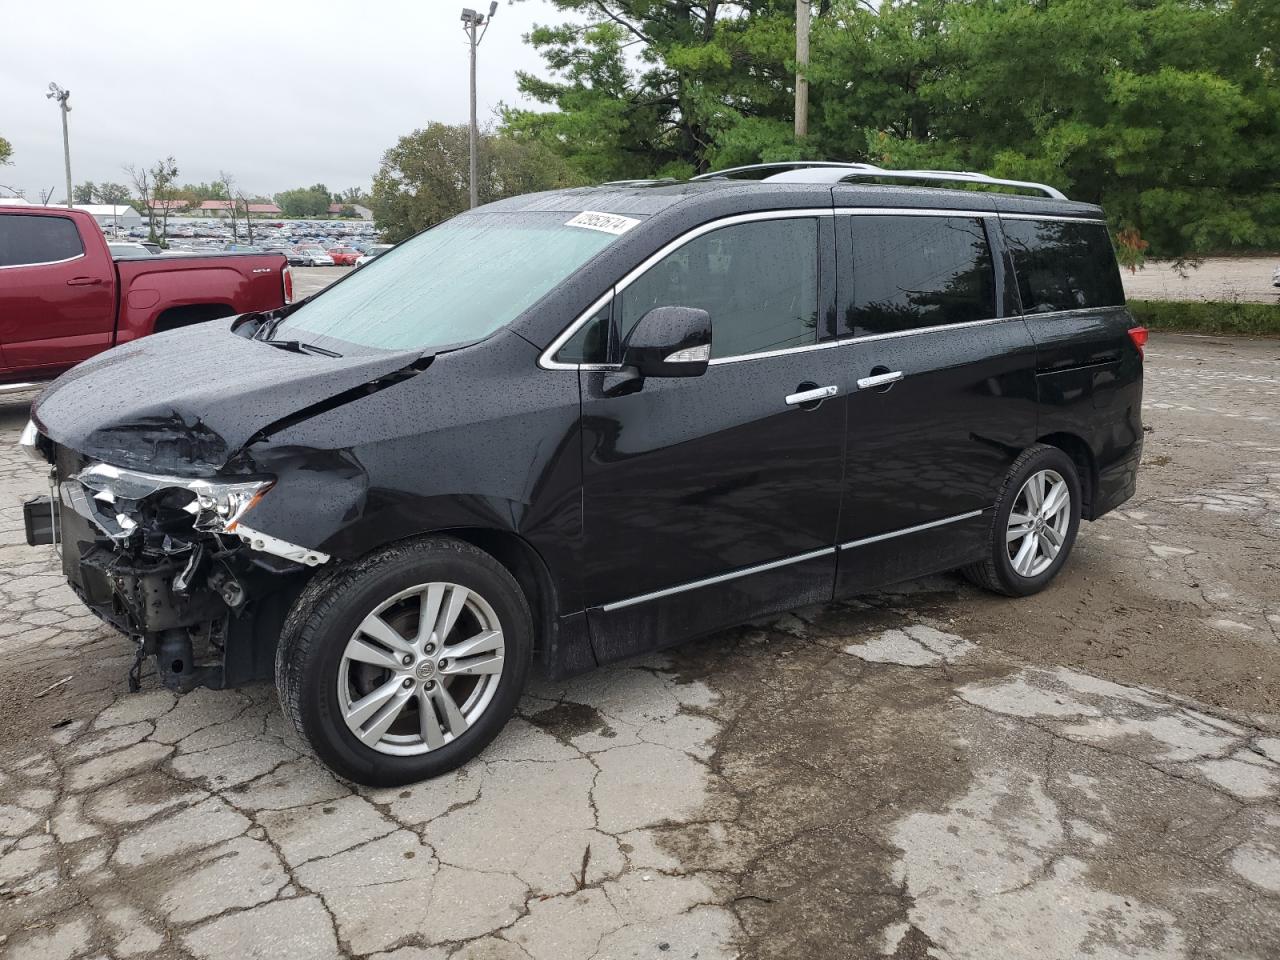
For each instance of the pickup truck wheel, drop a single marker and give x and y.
(1036, 519)
(406, 664)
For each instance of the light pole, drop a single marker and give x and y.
(471, 21)
(62, 96)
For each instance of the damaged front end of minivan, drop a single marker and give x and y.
(171, 562)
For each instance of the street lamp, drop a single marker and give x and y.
(471, 21)
(62, 96)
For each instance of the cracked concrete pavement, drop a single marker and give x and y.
(924, 772)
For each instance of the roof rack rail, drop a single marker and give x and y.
(822, 171)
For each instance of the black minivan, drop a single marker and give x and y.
(571, 427)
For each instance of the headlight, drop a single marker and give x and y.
(216, 506)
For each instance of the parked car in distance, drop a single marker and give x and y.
(65, 295)
(152, 247)
(374, 251)
(310, 256)
(243, 248)
(344, 256)
(649, 412)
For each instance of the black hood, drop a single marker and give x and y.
(186, 401)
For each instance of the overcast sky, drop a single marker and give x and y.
(280, 93)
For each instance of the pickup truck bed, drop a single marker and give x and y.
(63, 298)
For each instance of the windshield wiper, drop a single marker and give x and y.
(297, 346)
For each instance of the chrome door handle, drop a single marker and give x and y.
(880, 380)
(809, 396)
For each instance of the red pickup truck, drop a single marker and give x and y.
(63, 298)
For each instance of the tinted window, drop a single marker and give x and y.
(590, 344)
(25, 239)
(1063, 265)
(758, 281)
(911, 272)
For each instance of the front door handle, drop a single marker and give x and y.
(811, 396)
(84, 281)
(880, 380)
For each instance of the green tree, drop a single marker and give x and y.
(86, 192)
(662, 87)
(304, 202)
(423, 178)
(1165, 111)
(115, 193)
(6, 151)
(352, 195)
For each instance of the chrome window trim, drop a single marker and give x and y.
(721, 578)
(1074, 311)
(546, 358)
(912, 212)
(916, 529)
(547, 362)
(44, 263)
(1051, 216)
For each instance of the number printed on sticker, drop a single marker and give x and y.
(606, 222)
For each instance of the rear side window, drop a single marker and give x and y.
(757, 280)
(911, 272)
(28, 240)
(1063, 265)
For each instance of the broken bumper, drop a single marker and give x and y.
(165, 561)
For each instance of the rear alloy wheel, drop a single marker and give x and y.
(1038, 523)
(405, 664)
(1035, 524)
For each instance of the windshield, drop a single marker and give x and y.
(456, 283)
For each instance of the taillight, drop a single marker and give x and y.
(287, 276)
(1139, 337)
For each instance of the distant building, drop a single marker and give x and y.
(172, 206)
(264, 209)
(215, 208)
(364, 213)
(111, 215)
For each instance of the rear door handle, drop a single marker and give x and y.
(880, 380)
(810, 396)
(84, 281)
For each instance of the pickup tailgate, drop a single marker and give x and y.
(177, 290)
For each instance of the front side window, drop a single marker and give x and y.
(912, 272)
(1063, 265)
(28, 240)
(455, 283)
(757, 280)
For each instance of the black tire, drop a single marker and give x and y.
(325, 617)
(996, 573)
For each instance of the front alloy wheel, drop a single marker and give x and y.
(405, 664)
(421, 668)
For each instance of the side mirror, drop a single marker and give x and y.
(669, 342)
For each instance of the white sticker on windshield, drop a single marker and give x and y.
(605, 222)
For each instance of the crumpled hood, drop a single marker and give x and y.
(186, 401)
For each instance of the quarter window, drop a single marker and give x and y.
(919, 271)
(1063, 265)
(757, 280)
(27, 240)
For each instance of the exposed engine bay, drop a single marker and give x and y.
(169, 561)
